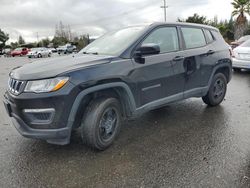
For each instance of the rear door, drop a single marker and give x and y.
(195, 50)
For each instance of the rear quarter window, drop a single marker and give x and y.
(193, 37)
(209, 36)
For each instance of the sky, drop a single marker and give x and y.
(32, 18)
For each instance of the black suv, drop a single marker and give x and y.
(120, 75)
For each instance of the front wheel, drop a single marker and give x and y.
(101, 123)
(217, 90)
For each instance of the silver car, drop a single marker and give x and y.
(39, 52)
(241, 56)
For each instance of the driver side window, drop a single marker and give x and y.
(165, 37)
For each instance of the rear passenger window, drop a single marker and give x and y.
(165, 37)
(193, 37)
(209, 36)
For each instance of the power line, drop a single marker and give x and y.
(165, 10)
(118, 15)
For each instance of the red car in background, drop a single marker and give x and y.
(19, 52)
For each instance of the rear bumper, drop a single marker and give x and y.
(239, 63)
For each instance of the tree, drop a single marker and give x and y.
(195, 19)
(241, 7)
(21, 40)
(14, 45)
(63, 31)
(3, 38)
(43, 43)
(59, 41)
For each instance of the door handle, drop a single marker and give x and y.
(210, 52)
(178, 58)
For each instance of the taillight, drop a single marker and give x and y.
(231, 53)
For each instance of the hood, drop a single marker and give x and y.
(52, 67)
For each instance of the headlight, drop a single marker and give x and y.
(48, 85)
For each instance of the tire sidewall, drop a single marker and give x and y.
(93, 118)
(214, 101)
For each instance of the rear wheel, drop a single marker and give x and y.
(101, 123)
(39, 55)
(217, 90)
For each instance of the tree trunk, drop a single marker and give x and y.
(240, 27)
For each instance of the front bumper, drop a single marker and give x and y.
(239, 63)
(54, 136)
(30, 114)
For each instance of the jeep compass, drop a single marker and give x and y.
(120, 75)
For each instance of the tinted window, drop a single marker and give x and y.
(193, 37)
(209, 36)
(165, 37)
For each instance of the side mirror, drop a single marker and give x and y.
(146, 49)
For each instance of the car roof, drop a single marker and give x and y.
(183, 24)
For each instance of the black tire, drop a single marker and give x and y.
(237, 69)
(217, 90)
(39, 55)
(101, 123)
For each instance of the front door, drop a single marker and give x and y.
(156, 79)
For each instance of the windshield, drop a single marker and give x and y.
(245, 44)
(113, 43)
(18, 49)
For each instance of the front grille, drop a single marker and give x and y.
(15, 86)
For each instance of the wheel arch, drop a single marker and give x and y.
(119, 90)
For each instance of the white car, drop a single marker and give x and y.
(241, 56)
(39, 52)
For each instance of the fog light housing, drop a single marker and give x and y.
(39, 116)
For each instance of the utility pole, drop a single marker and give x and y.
(165, 10)
(37, 36)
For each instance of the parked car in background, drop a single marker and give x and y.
(7, 52)
(68, 48)
(19, 52)
(52, 50)
(241, 56)
(121, 75)
(39, 53)
(240, 41)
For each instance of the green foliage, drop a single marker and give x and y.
(226, 27)
(240, 7)
(195, 19)
(3, 38)
(81, 41)
(14, 45)
(59, 41)
(43, 43)
(21, 40)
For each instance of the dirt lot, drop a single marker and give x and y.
(185, 144)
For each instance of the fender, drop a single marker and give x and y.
(220, 64)
(85, 92)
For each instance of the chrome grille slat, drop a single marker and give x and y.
(15, 86)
